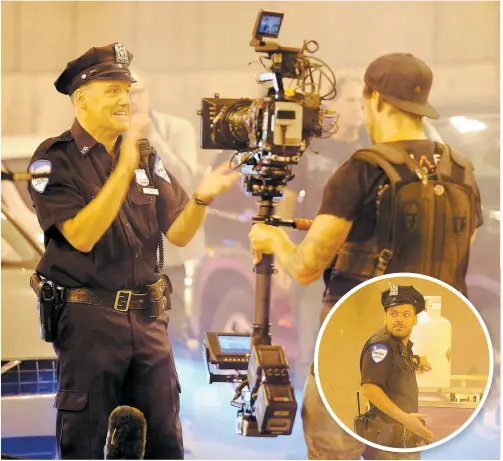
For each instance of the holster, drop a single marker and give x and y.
(389, 434)
(158, 301)
(361, 424)
(48, 302)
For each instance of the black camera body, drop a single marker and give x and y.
(271, 133)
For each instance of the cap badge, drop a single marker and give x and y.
(393, 291)
(121, 55)
(417, 89)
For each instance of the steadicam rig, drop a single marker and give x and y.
(269, 136)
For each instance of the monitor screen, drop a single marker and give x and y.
(234, 344)
(269, 25)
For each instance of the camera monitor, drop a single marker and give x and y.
(268, 24)
(234, 344)
(228, 351)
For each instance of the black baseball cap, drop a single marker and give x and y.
(109, 62)
(403, 81)
(398, 295)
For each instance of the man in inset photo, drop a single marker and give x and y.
(388, 375)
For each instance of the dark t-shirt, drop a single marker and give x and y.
(126, 255)
(316, 167)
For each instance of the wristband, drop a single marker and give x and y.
(201, 202)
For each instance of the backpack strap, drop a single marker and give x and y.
(397, 165)
(387, 154)
(455, 165)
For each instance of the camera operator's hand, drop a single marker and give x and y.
(262, 238)
(216, 182)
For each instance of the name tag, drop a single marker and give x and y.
(150, 191)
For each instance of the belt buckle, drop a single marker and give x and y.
(123, 297)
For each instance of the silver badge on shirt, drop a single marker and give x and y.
(141, 177)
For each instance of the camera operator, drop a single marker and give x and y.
(311, 175)
(102, 210)
(396, 93)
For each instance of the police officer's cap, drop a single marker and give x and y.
(397, 295)
(109, 62)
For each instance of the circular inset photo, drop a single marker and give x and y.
(403, 363)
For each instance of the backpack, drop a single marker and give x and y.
(424, 221)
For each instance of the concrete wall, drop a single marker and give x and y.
(190, 50)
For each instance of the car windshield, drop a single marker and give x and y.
(16, 249)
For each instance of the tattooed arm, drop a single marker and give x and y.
(307, 261)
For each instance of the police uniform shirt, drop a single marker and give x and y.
(387, 362)
(126, 255)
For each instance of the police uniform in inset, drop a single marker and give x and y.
(112, 327)
(390, 364)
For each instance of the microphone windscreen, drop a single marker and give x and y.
(144, 148)
(126, 437)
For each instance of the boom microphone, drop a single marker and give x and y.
(126, 437)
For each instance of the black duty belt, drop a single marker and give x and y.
(122, 300)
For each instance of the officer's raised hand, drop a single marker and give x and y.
(188, 222)
(130, 154)
(414, 423)
(217, 181)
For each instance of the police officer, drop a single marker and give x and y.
(102, 209)
(352, 225)
(388, 369)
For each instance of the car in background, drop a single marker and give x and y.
(28, 363)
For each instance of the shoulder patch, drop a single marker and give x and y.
(378, 352)
(37, 167)
(160, 171)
